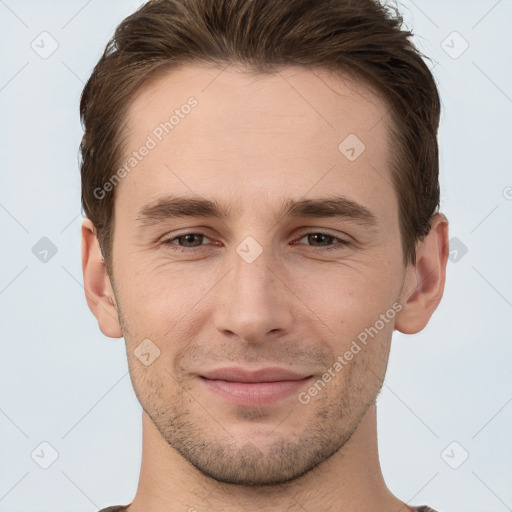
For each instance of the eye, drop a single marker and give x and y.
(325, 240)
(186, 241)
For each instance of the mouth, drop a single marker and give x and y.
(254, 388)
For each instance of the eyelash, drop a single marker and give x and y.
(343, 243)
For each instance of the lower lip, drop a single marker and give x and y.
(255, 394)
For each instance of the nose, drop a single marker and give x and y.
(254, 304)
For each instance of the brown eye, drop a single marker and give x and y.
(324, 241)
(321, 238)
(186, 240)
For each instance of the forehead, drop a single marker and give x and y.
(318, 98)
(241, 132)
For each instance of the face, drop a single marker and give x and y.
(254, 244)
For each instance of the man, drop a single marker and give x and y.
(260, 183)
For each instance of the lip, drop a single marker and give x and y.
(253, 388)
(237, 374)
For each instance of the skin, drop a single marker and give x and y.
(253, 142)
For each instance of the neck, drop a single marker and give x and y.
(349, 481)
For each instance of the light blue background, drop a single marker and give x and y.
(63, 382)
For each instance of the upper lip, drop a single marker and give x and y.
(237, 374)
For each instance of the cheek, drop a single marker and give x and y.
(358, 309)
(155, 387)
(156, 295)
(349, 295)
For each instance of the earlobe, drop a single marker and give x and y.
(98, 289)
(425, 281)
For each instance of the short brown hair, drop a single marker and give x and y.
(363, 38)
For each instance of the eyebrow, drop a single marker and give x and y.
(328, 207)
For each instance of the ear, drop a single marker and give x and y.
(98, 289)
(424, 282)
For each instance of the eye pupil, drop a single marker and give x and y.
(189, 238)
(319, 235)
